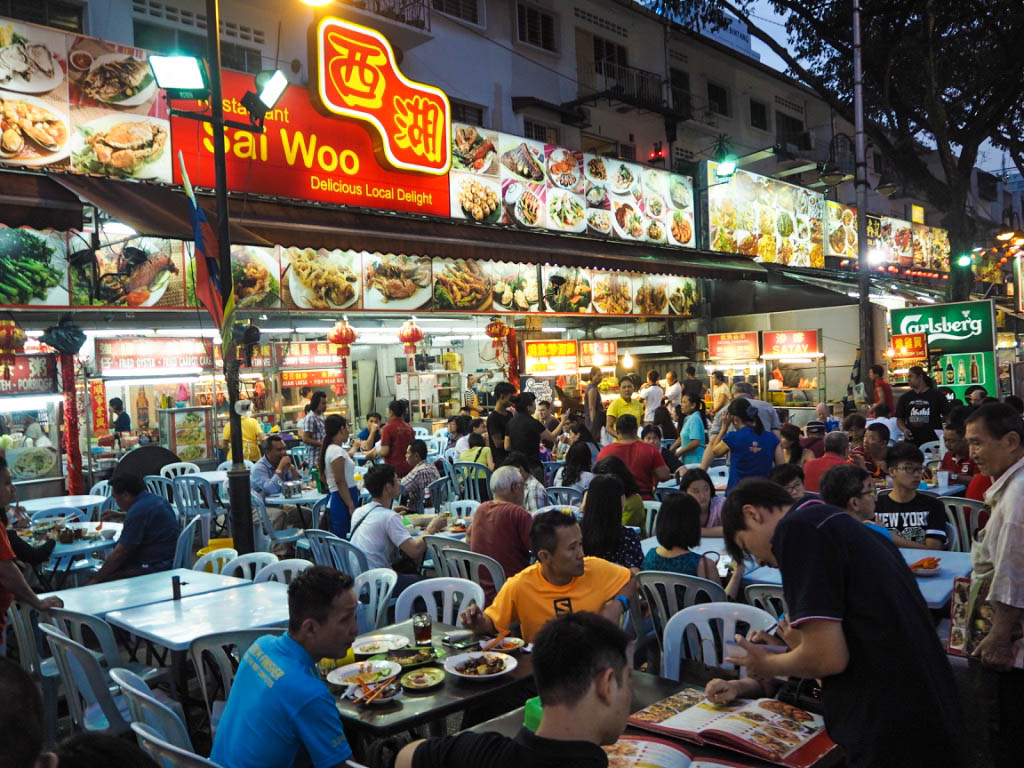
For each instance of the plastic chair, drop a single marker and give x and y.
(178, 468)
(463, 508)
(550, 468)
(707, 646)
(441, 493)
(194, 497)
(25, 621)
(282, 570)
(216, 559)
(247, 566)
(668, 593)
(319, 549)
(70, 515)
(435, 543)
(449, 472)
(421, 433)
(224, 466)
(317, 512)
(567, 508)
(184, 551)
(651, 511)
(563, 495)
(78, 626)
(347, 557)
(451, 455)
(719, 474)
(283, 536)
(767, 597)
(102, 488)
(378, 583)
(445, 599)
(90, 703)
(146, 708)
(931, 450)
(168, 754)
(473, 480)
(966, 515)
(464, 564)
(160, 486)
(953, 538)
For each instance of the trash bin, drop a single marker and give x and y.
(214, 545)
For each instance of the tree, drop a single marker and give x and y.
(938, 76)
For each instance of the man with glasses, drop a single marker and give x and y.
(853, 489)
(791, 477)
(918, 517)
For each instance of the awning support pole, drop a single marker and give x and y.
(867, 337)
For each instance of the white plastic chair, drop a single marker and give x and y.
(768, 597)
(160, 486)
(931, 450)
(247, 566)
(445, 598)
(347, 557)
(379, 583)
(473, 480)
(719, 474)
(283, 536)
(79, 626)
(464, 564)
(283, 571)
(565, 495)
(166, 753)
(102, 488)
(195, 497)
(966, 515)
(421, 433)
(179, 468)
(451, 455)
(667, 593)
(567, 508)
(651, 511)
(706, 647)
(224, 466)
(216, 559)
(463, 508)
(146, 707)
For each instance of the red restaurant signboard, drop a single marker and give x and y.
(603, 354)
(31, 375)
(733, 346)
(301, 353)
(325, 378)
(775, 343)
(141, 355)
(550, 358)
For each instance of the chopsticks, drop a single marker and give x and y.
(375, 691)
(501, 636)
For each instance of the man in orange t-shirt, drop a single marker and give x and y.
(561, 581)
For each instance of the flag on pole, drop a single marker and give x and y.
(206, 276)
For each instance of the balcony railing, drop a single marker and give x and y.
(628, 84)
(415, 13)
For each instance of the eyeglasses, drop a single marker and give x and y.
(872, 492)
(910, 469)
(795, 486)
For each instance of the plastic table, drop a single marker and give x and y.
(212, 476)
(61, 502)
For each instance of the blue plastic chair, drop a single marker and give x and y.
(194, 497)
(562, 494)
(550, 468)
(474, 480)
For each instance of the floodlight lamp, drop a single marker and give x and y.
(726, 168)
(182, 77)
(964, 260)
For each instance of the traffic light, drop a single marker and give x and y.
(961, 277)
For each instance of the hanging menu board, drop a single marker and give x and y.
(141, 355)
(550, 358)
(733, 346)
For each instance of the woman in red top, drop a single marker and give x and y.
(394, 439)
(883, 389)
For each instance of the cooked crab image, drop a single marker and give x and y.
(127, 145)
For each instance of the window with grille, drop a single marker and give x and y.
(540, 132)
(788, 127)
(470, 114)
(718, 99)
(758, 114)
(154, 37)
(461, 9)
(49, 13)
(627, 151)
(536, 27)
(607, 52)
(876, 162)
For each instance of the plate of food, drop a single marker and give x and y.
(567, 289)
(623, 179)
(127, 146)
(613, 293)
(515, 287)
(31, 463)
(473, 150)
(564, 169)
(134, 273)
(507, 644)
(374, 644)
(525, 162)
(120, 80)
(192, 452)
(479, 199)
(656, 232)
(396, 281)
(526, 204)
(28, 59)
(654, 205)
(628, 222)
(683, 298)
(364, 672)
(651, 296)
(680, 192)
(32, 133)
(461, 284)
(597, 196)
(392, 692)
(39, 260)
(407, 658)
(566, 212)
(422, 679)
(596, 169)
(480, 666)
(255, 274)
(323, 279)
(599, 221)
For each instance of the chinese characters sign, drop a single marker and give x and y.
(733, 346)
(357, 77)
(98, 406)
(789, 343)
(325, 378)
(550, 358)
(600, 353)
(910, 346)
(31, 375)
(301, 353)
(152, 355)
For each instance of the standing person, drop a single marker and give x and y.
(957, 460)
(370, 434)
(593, 408)
(497, 421)
(744, 389)
(604, 535)
(881, 387)
(622, 405)
(525, 432)
(692, 384)
(311, 428)
(673, 389)
(837, 446)
(692, 439)
(651, 395)
(575, 473)
(394, 439)
(918, 517)
(719, 392)
(790, 449)
(252, 434)
(501, 527)
(919, 411)
(545, 415)
(643, 459)
(751, 447)
(339, 471)
(121, 421)
(995, 434)
(420, 475)
(470, 397)
(915, 719)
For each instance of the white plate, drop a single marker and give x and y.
(605, 277)
(157, 168)
(607, 167)
(355, 691)
(668, 227)
(572, 178)
(132, 101)
(596, 212)
(37, 82)
(303, 296)
(381, 670)
(384, 643)
(452, 662)
(515, 643)
(374, 299)
(619, 231)
(927, 572)
(556, 197)
(615, 186)
(51, 157)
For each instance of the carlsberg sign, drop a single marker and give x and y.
(962, 327)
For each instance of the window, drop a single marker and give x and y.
(788, 127)
(758, 114)
(627, 151)
(988, 187)
(607, 52)
(49, 13)
(470, 114)
(153, 37)
(718, 99)
(540, 132)
(461, 9)
(536, 27)
(876, 162)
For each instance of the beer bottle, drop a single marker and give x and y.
(949, 371)
(975, 373)
(961, 372)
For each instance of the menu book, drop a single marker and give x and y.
(765, 728)
(643, 752)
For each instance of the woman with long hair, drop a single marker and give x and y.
(576, 471)
(697, 483)
(692, 438)
(633, 512)
(663, 420)
(604, 535)
(578, 432)
(750, 446)
(525, 433)
(338, 470)
(790, 451)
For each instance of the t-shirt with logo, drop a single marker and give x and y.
(531, 599)
(961, 465)
(750, 454)
(921, 517)
(922, 413)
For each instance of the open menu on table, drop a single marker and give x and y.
(765, 728)
(645, 752)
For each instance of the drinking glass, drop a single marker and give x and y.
(421, 627)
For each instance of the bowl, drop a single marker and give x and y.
(108, 533)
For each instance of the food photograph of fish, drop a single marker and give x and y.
(138, 272)
(396, 281)
(130, 146)
(31, 58)
(461, 284)
(119, 79)
(522, 159)
(318, 278)
(474, 150)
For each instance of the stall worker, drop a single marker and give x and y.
(311, 428)
(623, 404)
(651, 395)
(120, 420)
(252, 434)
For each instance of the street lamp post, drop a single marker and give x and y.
(867, 339)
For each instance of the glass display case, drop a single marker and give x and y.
(30, 428)
(187, 432)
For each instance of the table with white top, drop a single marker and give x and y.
(672, 484)
(709, 545)
(945, 490)
(61, 502)
(212, 476)
(121, 594)
(307, 498)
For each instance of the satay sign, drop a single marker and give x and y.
(789, 343)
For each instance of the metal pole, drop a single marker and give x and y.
(238, 475)
(867, 339)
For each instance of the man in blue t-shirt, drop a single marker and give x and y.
(279, 707)
(149, 536)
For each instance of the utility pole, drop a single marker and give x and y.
(867, 338)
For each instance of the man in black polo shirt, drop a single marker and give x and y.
(861, 626)
(579, 666)
(497, 421)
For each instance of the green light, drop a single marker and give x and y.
(726, 168)
(964, 260)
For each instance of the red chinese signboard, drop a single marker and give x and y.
(325, 378)
(733, 346)
(550, 358)
(303, 154)
(31, 375)
(260, 356)
(357, 77)
(301, 353)
(600, 353)
(152, 355)
(777, 343)
(98, 406)
(909, 346)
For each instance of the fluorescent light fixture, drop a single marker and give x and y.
(208, 333)
(317, 3)
(183, 76)
(727, 167)
(117, 228)
(170, 381)
(272, 89)
(796, 360)
(312, 329)
(119, 332)
(276, 331)
(28, 402)
(627, 360)
(876, 256)
(162, 372)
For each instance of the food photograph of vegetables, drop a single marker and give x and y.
(33, 267)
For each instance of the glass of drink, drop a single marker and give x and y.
(421, 627)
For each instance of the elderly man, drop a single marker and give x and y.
(837, 446)
(769, 418)
(265, 479)
(501, 527)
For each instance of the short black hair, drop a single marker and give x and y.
(1014, 402)
(691, 370)
(652, 375)
(125, 482)
(973, 388)
(881, 430)
(649, 429)
(545, 403)
(905, 451)
(881, 410)
(571, 650)
(377, 478)
(476, 423)
(117, 403)
(720, 375)
(419, 447)
(877, 370)
(784, 474)
(86, 750)
(374, 415)
(516, 459)
(271, 439)
(503, 388)
(693, 475)
(462, 424)
(613, 465)
(753, 491)
(678, 523)
(476, 440)
(315, 400)
(397, 407)
(956, 419)
(842, 483)
(21, 711)
(854, 421)
(626, 424)
(544, 529)
(313, 590)
(998, 419)
(523, 401)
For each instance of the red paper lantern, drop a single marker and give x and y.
(12, 342)
(410, 334)
(344, 335)
(496, 330)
